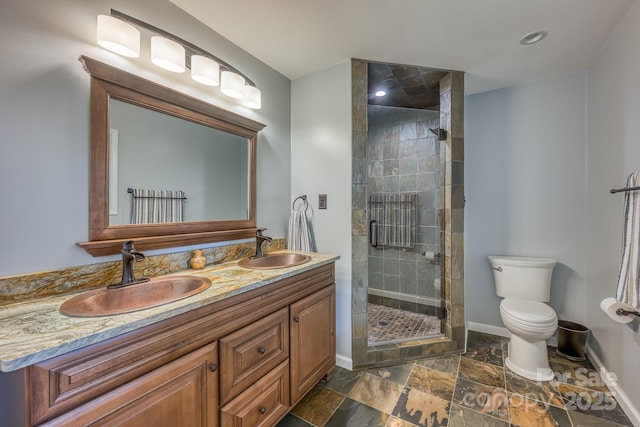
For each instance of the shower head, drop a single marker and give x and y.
(441, 134)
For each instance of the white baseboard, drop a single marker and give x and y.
(344, 362)
(500, 331)
(623, 400)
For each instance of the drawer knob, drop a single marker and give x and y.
(296, 319)
(262, 409)
(261, 350)
(213, 367)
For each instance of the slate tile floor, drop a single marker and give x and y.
(472, 389)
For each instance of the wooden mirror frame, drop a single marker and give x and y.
(108, 83)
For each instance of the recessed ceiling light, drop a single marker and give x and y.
(533, 37)
(381, 93)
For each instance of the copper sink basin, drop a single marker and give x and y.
(274, 261)
(158, 291)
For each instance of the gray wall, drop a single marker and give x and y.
(321, 164)
(525, 189)
(44, 122)
(613, 153)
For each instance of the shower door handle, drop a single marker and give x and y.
(373, 233)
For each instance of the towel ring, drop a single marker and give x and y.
(304, 199)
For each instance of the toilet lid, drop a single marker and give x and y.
(528, 311)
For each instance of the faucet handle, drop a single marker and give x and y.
(128, 246)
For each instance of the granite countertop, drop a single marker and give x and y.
(33, 331)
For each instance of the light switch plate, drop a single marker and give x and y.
(322, 201)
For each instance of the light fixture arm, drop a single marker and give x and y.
(190, 48)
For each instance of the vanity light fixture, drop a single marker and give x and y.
(118, 36)
(252, 97)
(167, 54)
(205, 70)
(232, 84)
(120, 33)
(533, 37)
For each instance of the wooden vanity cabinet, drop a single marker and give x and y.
(181, 393)
(253, 355)
(313, 343)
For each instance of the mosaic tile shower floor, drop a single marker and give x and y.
(388, 324)
(472, 389)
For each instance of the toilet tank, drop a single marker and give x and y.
(522, 277)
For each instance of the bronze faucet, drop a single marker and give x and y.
(259, 240)
(129, 254)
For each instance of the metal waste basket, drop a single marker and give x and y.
(572, 339)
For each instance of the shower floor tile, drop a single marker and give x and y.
(388, 324)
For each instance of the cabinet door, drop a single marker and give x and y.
(182, 393)
(313, 343)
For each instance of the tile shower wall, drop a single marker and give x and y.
(404, 156)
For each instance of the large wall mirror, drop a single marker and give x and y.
(166, 169)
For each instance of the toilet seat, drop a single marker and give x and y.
(528, 314)
(531, 320)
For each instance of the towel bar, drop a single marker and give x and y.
(620, 190)
(130, 190)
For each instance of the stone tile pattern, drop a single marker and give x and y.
(36, 285)
(403, 156)
(472, 389)
(451, 237)
(388, 324)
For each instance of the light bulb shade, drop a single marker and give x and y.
(232, 84)
(252, 97)
(205, 70)
(167, 54)
(118, 36)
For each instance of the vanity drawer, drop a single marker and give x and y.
(262, 404)
(251, 352)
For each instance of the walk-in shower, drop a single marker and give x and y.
(404, 175)
(407, 213)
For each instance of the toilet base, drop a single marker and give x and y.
(529, 359)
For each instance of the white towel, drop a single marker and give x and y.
(300, 236)
(156, 206)
(628, 290)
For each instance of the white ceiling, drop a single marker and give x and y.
(481, 37)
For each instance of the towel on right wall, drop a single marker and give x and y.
(628, 290)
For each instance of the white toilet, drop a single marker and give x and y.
(525, 285)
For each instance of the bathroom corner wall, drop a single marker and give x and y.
(321, 164)
(452, 119)
(613, 147)
(525, 189)
(359, 228)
